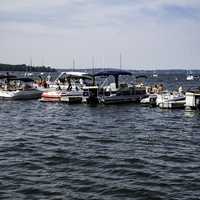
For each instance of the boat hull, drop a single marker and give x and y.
(71, 99)
(172, 104)
(120, 99)
(170, 101)
(20, 95)
(51, 96)
(192, 100)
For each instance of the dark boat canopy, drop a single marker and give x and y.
(141, 76)
(2, 76)
(23, 79)
(194, 89)
(113, 73)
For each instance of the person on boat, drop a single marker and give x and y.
(49, 77)
(48, 80)
(58, 88)
(155, 89)
(40, 81)
(44, 84)
(62, 80)
(69, 88)
(7, 86)
(149, 89)
(180, 90)
(161, 88)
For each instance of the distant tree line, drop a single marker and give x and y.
(25, 68)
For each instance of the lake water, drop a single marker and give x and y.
(60, 151)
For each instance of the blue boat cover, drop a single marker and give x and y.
(141, 76)
(24, 79)
(2, 76)
(113, 73)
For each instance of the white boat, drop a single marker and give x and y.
(20, 94)
(90, 94)
(168, 100)
(72, 96)
(114, 92)
(18, 89)
(52, 95)
(155, 75)
(68, 87)
(190, 76)
(153, 92)
(193, 99)
(149, 100)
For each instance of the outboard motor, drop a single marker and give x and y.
(90, 94)
(152, 101)
(197, 102)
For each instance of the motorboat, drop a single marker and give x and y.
(73, 96)
(155, 75)
(64, 78)
(193, 99)
(170, 100)
(68, 88)
(152, 94)
(149, 100)
(190, 77)
(13, 88)
(52, 95)
(110, 92)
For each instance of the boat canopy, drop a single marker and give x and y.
(23, 79)
(113, 73)
(2, 76)
(195, 89)
(141, 76)
(73, 74)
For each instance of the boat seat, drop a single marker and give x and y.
(111, 88)
(123, 85)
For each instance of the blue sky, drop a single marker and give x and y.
(150, 34)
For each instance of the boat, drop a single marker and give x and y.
(73, 96)
(149, 100)
(52, 95)
(68, 87)
(152, 94)
(90, 94)
(170, 100)
(13, 88)
(192, 99)
(190, 76)
(155, 75)
(114, 92)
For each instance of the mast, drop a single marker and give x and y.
(120, 61)
(28, 68)
(73, 64)
(31, 62)
(93, 64)
(42, 61)
(93, 79)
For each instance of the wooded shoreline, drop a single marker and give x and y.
(26, 68)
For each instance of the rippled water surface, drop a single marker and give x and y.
(60, 151)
